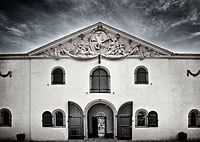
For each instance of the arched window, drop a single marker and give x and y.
(58, 76)
(141, 75)
(152, 119)
(100, 80)
(47, 119)
(141, 118)
(194, 118)
(58, 117)
(5, 118)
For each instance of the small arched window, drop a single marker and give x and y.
(153, 119)
(100, 80)
(5, 118)
(47, 119)
(141, 118)
(194, 118)
(58, 76)
(141, 75)
(58, 118)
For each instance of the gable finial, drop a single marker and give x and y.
(99, 58)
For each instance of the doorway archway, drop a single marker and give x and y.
(100, 120)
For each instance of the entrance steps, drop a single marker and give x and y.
(99, 140)
(115, 140)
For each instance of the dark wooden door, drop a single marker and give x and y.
(124, 122)
(94, 127)
(75, 121)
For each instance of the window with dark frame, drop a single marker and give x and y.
(5, 118)
(141, 118)
(47, 119)
(59, 118)
(58, 76)
(100, 81)
(153, 119)
(141, 76)
(194, 119)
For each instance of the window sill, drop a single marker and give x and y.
(146, 126)
(101, 92)
(193, 126)
(58, 127)
(57, 84)
(141, 127)
(141, 83)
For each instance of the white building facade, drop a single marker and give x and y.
(99, 82)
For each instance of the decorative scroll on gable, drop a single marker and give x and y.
(99, 42)
(193, 74)
(6, 75)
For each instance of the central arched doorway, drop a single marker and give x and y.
(100, 121)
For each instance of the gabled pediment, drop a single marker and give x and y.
(99, 39)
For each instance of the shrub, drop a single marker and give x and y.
(182, 136)
(20, 137)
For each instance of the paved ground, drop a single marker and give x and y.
(95, 141)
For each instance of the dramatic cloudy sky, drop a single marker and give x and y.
(28, 24)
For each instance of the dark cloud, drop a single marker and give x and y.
(28, 24)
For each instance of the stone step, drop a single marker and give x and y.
(99, 140)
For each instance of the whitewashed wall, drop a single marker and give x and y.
(14, 95)
(170, 93)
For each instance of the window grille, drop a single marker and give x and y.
(58, 76)
(193, 119)
(100, 81)
(141, 76)
(5, 118)
(152, 119)
(141, 118)
(47, 119)
(59, 119)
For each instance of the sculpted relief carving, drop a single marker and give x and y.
(99, 42)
